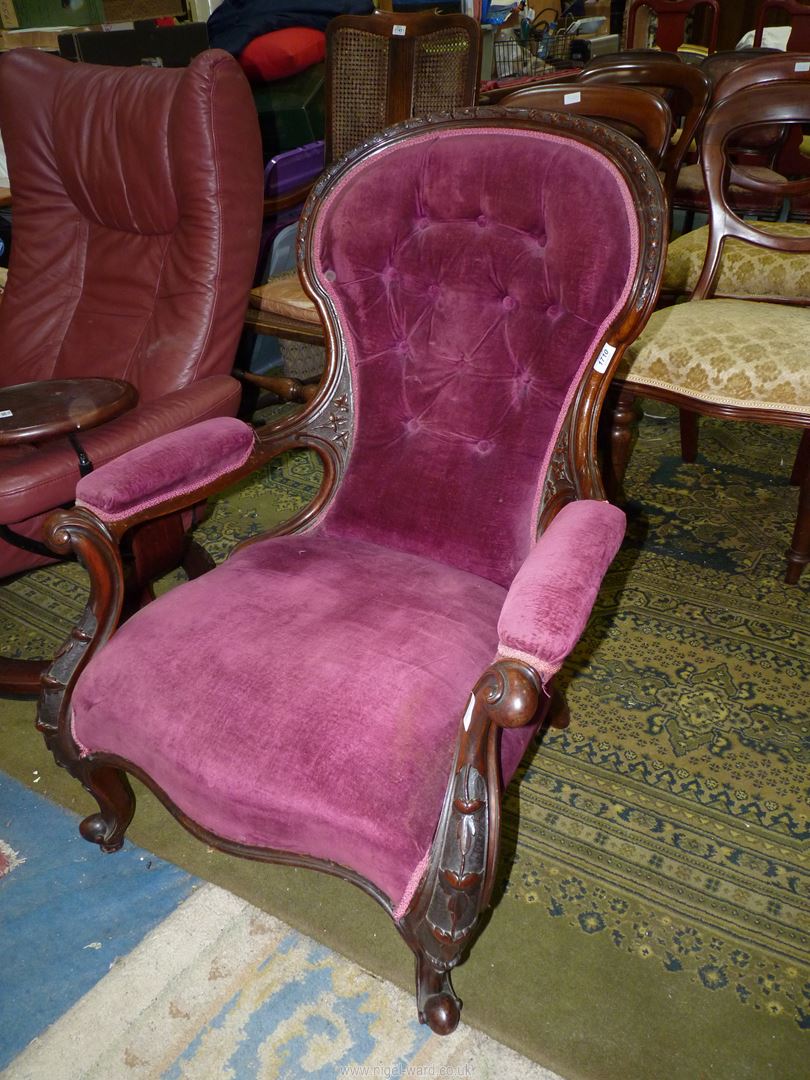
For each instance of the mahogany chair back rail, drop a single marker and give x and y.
(642, 115)
(672, 19)
(757, 145)
(685, 88)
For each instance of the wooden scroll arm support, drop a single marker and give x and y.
(96, 543)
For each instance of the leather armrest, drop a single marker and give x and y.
(552, 594)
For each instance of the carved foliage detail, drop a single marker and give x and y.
(453, 906)
(338, 424)
(560, 479)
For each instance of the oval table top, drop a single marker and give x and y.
(38, 411)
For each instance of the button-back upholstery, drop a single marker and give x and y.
(466, 330)
(471, 319)
(137, 203)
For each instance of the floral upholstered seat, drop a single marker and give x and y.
(745, 270)
(735, 358)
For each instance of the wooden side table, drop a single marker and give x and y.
(36, 412)
(39, 411)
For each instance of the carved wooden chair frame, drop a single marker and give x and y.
(785, 104)
(440, 923)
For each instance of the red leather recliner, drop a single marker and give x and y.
(137, 201)
(136, 215)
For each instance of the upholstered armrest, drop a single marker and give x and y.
(177, 464)
(552, 594)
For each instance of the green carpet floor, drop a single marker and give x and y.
(654, 916)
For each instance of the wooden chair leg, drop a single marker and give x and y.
(689, 434)
(21, 676)
(623, 429)
(798, 555)
(436, 1002)
(111, 789)
(801, 466)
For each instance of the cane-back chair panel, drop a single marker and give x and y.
(387, 67)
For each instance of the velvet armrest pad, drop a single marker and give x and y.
(551, 596)
(175, 464)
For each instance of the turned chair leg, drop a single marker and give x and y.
(559, 715)
(798, 554)
(623, 430)
(801, 466)
(438, 1005)
(688, 421)
(111, 789)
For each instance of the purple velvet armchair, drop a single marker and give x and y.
(473, 320)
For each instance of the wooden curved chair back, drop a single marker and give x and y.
(388, 67)
(640, 114)
(672, 16)
(799, 15)
(772, 67)
(685, 88)
(774, 104)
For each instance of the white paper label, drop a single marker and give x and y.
(399, 30)
(802, 65)
(572, 99)
(5, 413)
(604, 358)
(468, 714)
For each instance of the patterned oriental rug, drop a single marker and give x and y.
(654, 917)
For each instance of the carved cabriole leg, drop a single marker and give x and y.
(623, 429)
(440, 923)
(112, 791)
(78, 531)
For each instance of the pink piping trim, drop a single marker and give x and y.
(545, 670)
(156, 500)
(83, 750)
(600, 333)
(413, 882)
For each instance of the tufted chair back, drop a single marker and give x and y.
(130, 214)
(469, 313)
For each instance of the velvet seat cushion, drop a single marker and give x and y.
(304, 696)
(729, 352)
(284, 295)
(745, 269)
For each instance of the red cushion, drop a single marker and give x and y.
(282, 53)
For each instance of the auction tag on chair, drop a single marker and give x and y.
(572, 99)
(468, 715)
(604, 358)
(5, 413)
(802, 65)
(399, 30)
